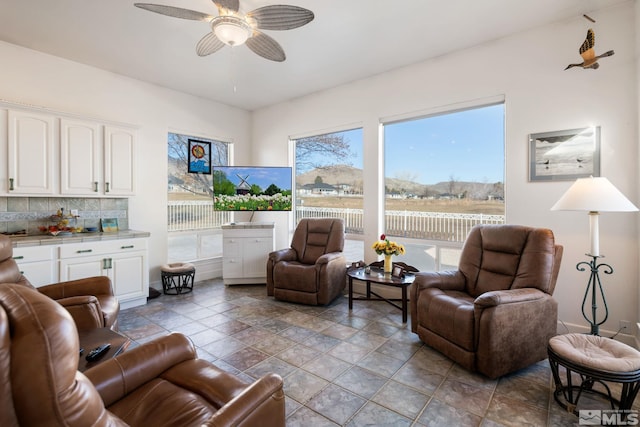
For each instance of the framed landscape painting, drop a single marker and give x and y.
(564, 155)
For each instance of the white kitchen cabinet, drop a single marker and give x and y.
(94, 164)
(80, 157)
(245, 249)
(39, 264)
(124, 261)
(119, 161)
(53, 154)
(31, 151)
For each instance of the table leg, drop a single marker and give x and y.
(368, 289)
(404, 304)
(350, 293)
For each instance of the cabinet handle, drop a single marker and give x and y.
(95, 186)
(106, 186)
(106, 264)
(18, 257)
(127, 247)
(10, 184)
(84, 251)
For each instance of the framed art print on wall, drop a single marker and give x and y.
(199, 157)
(564, 155)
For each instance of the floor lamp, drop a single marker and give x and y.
(594, 195)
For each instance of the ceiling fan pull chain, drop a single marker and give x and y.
(232, 70)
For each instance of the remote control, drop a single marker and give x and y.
(98, 352)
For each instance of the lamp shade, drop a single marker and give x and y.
(593, 195)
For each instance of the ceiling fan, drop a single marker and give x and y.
(233, 28)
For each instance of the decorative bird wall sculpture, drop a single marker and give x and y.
(589, 54)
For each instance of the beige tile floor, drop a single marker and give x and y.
(342, 368)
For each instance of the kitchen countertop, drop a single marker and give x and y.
(232, 225)
(45, 239)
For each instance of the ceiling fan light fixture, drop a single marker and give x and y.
(231, 30)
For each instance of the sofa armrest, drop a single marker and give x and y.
(446, 280)
(261, 403)
(452, 280)
(85, 310)
(275, 257)
(510, 296)
(329, 257)
(98, 285)
(115, 378)
(283, 255)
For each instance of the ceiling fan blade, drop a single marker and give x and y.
(266, 47)
(232, 5)
(281, 17)
(176, 12)
(209, 44)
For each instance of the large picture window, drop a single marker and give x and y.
(192, 223)
(329, 182)
(443, 174)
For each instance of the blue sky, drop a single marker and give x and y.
(468, 145)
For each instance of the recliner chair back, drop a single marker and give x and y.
(509, 257)
(312, 239)
(9, 270)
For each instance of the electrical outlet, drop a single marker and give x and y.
(625, 326)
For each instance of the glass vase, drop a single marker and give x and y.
(388, 264)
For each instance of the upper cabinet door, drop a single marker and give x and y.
(31, 151)
(119, 161)
(80, 157)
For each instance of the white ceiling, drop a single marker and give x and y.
(347, 40)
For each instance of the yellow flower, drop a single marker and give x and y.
(387, 247)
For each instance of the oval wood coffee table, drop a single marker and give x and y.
(377, 276)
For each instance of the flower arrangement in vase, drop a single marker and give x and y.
(387, 248)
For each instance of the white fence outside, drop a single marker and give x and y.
(451, 227)
(183, 215)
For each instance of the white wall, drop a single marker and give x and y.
(528, 71)
(34, 78)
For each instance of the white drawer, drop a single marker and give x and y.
(33, 254)
(75, 250)
(247, 232)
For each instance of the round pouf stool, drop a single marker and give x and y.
(594, 359)
(177, 278)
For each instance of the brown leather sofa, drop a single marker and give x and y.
(159, 383)
(90, 301)
(495, 314)
(313, 270)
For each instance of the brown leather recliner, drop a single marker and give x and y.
(90, 301)
(313, 270)
(496, 313)
(159, 383)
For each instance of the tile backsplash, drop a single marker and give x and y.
(29, 213)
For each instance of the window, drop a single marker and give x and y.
(443, 175)
(192, 223)
(329, 182)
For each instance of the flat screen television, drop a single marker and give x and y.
(252, 188)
